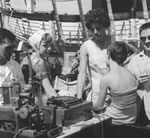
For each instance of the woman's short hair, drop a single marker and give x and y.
(144, 26)
(118, 52)
(97, 15)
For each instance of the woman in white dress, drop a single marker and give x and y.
(93, 52)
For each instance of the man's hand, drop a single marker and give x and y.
(144, 78)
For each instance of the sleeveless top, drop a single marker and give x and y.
(11, 72)
(124, 99)
(123, 109)
(97, 67)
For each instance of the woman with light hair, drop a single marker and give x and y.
(40, 42)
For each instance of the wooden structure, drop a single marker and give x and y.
(134, 11)
(125, 21)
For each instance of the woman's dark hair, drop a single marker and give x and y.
(118, 52)
(6, 34)
(144, 26)
(97, 15)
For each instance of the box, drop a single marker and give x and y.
(9, 91)
(73, 114)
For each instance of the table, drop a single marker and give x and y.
(4, 134)
(92, 128)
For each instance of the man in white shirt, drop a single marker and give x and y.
(140, 66)
(10, 70)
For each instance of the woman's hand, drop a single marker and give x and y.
(52, 93)
(46, 96)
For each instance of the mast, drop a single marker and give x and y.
(30, 5)
(84, 33)
(60, 42)
(57, 19)
(132, 19)
(145, 10)
(1, 15)
(110, 13)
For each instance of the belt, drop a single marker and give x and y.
(68, 77)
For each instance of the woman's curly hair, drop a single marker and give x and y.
(97, 15)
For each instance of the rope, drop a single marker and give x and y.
(10, 18)
(17, 23)
(121, 31)
(26, 31)
(43, 26)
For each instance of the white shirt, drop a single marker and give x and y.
(139, 66)
(11, 71)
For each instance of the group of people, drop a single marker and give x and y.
(114, 75)
(101, 61)
(11, 70)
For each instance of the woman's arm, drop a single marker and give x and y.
(133, 48)
(98, 105)
(134, 51)
(82, 70)
(42, 74)
(48, 88)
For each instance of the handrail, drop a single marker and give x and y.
(45, 16)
